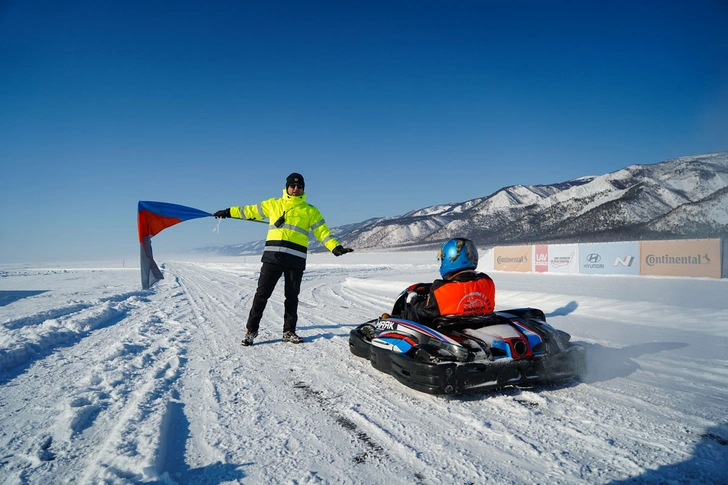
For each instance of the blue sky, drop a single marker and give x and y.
(384, 107)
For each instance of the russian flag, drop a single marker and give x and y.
(153, 218)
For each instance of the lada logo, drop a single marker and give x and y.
(593, 258)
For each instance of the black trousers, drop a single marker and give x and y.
(269, 275)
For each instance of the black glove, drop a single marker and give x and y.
(339, 250)
(223, 214)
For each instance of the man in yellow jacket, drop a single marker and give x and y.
(291, 220)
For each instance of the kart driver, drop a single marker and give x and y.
(461, 291)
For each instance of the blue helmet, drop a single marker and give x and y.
(457, 255)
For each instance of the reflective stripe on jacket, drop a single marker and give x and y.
(287, 243)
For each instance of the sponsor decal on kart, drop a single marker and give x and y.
(385, 325)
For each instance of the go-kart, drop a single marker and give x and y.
(469, 354)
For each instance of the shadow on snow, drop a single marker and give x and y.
(564, 310)
(11, 296)
(605, 363)
(171, 459)
(705, 466)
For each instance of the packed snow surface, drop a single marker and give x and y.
(102, 382)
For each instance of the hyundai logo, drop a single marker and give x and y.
(593, 258)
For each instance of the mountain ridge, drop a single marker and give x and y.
(685, 197)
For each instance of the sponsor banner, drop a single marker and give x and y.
(688, 257)
(541, 258)
(610, 258)
(485, 259)
(563, 258)
(513, 258)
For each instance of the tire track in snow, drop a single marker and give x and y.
(239, 395)
(142, 375)
(128, 394)
(203, 389)
(113, 392)
(373, 449)
(54, 313)
(68, 327)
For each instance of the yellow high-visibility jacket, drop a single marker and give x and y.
(291, 220)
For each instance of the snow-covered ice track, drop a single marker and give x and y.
(129, 386)
(119, 381)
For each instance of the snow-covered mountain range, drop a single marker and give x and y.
(681, 198)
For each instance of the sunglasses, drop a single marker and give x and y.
(296, 186)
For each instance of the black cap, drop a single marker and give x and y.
(295, 178)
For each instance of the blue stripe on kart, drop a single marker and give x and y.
(424, 329)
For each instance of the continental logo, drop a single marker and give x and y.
(697, 259)
(511, 259)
